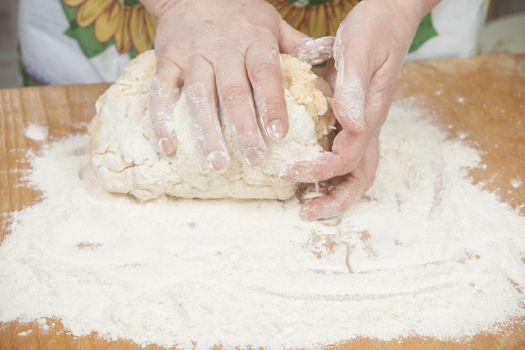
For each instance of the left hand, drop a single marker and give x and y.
(369, 50)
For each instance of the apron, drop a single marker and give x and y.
(89, 41)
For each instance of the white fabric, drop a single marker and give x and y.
(458, 23)
(53, 57)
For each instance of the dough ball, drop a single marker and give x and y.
(124, 149)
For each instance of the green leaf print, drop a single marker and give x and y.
(84, 36)
(131, 2)
(425, 32)
(132, 53)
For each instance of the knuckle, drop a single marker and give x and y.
(225, 60)
(257, 47)
(374, 118)
(265, 71)
(159, 114)
(158, 120)
(349, 166)
(197, 61)
(166, 51)
(234, 96)
(196, 93)
(159, 129)
(167, 69)
(275, 107)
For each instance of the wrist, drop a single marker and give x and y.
(420, 8)
(157, 7)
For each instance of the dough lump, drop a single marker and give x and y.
(124, 152)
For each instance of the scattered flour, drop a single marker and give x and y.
(25, 333)
(426, 253)
(462, 135)
(42, 324)
(36, 132)
(516, 182)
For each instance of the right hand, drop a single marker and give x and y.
(222, 50)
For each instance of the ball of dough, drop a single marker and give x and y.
(124, 150)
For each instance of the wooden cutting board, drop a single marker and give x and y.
(483, 98)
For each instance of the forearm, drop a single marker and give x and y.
(156, 7)
(419, 7)
(427, 6)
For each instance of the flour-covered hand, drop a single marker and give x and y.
(369, 49)
(226, 54)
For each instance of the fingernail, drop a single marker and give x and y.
(217, 160)
(325, 46)
(254, 157)
(165, 146)
(315, 51)
(275, 129)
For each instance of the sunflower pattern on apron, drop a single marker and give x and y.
(315, 18)
(97, 24)
(110, 32)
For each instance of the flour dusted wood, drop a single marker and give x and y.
(61, 107)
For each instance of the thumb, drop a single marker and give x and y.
(353, 76)
(305, 48)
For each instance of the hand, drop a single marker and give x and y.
(369, 49)
(222, 50)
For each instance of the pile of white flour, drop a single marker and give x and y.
(35, 132)
(426, 253)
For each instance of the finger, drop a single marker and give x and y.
(379, 98)
(330, 74)
(237, 103)
(264, 71)
(200, 92)
(347, 148)
(354, 73)
(347, 151)
(347, 192)
(163, 95)
(300, 45)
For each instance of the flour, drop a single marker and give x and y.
(425, 253)
(42, 324)
(516, 182)
(36, 132)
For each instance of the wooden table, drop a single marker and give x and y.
(483, 97)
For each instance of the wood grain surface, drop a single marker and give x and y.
(481, 98)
